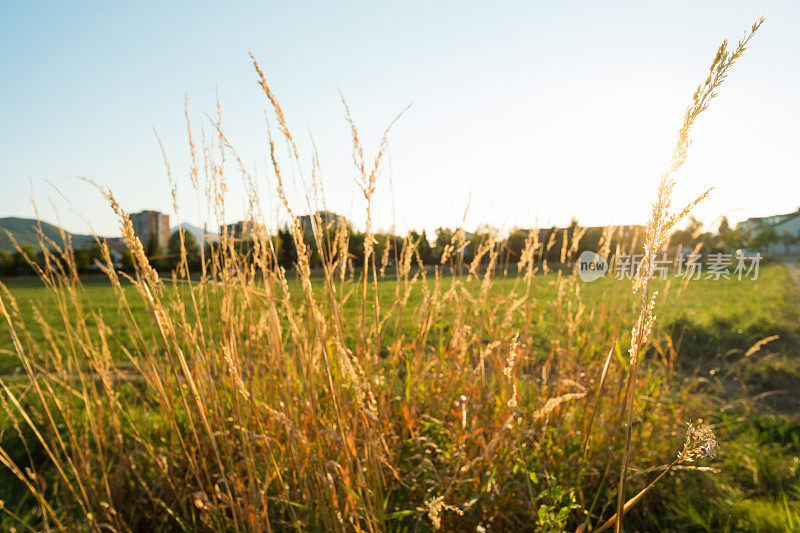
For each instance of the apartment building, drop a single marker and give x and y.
(147, 224)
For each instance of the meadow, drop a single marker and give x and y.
(701, 368)
(750, 304)
(386, 395)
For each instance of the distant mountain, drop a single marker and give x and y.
(25, 231)
(199, 235)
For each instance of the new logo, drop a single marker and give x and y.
(591, 266)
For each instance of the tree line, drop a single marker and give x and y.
(429, 249)
(728, 239)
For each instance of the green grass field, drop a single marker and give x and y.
(743, 311)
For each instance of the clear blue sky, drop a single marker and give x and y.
(532, 112)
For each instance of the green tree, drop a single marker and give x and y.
(689, 236)
(287, 253)
(516, 243)
(20, 263)
(355, 248)
(128, 261)
(788, 239)
(426, 252)
(554, 253)
(189, 243)
(724, 227)
(86, 257)
(82, 260)
(154, 252)
(765, 237)
(424, 248)
(443, 238)
(5, 262)
(383, 242)
(733, 239)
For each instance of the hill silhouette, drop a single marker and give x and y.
(25, 231)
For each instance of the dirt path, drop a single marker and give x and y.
(794, 273)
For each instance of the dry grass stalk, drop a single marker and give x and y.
(661, 223)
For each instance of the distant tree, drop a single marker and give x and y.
(746, 235)
(128, 261)
(189, 243)
(287, 253)
(424, 248)
(474, 242)
(314, 257)
(383, 245)
(355, 248)
(209, 249)
(86, 257)
(443, 238)
(554, 253)
(765, 237)
(788, 239)
(515, 243)
(591, 239)
(724, 227)
(573, 225)
(95, 253)
(20, 263)
(689, 236)
(82, 260)
(155, 254)
(733, 239)
(5, 263)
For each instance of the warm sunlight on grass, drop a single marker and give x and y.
(353, 387)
